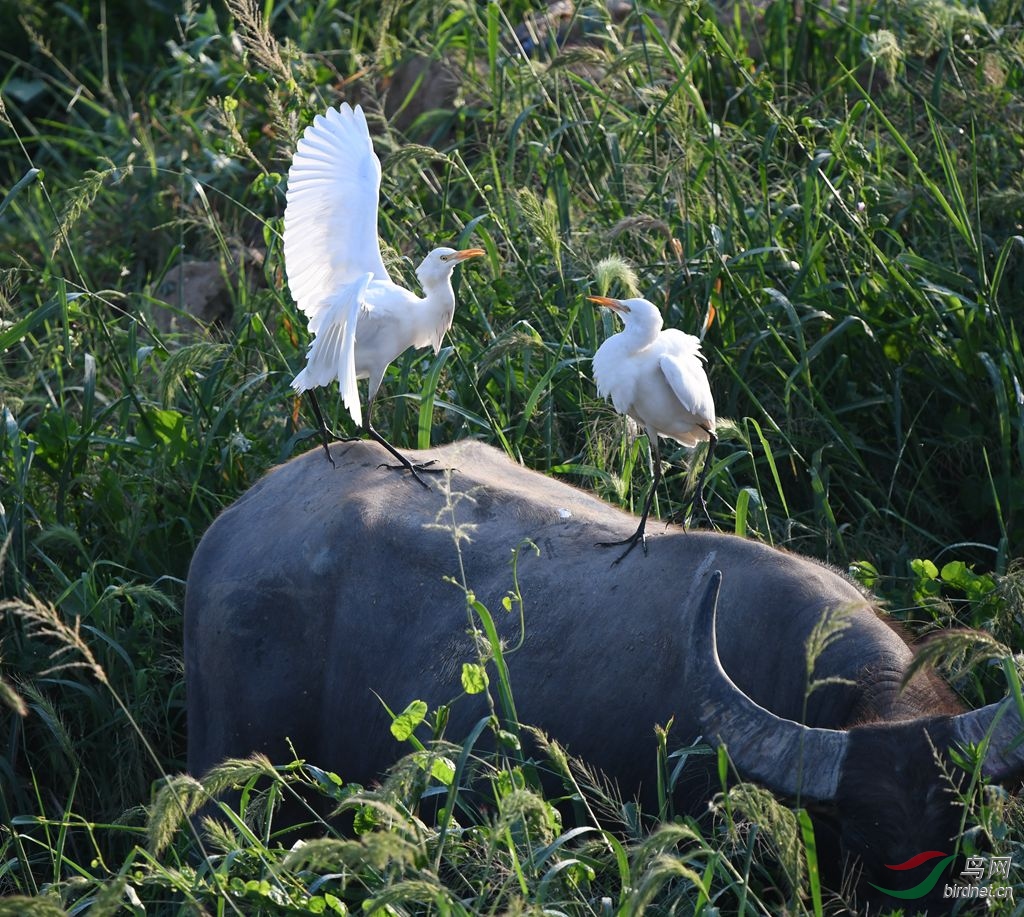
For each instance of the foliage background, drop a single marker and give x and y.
(843, 185)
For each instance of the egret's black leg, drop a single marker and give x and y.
(639, 535)
(412, 468)
(325, 435)
(698, 496)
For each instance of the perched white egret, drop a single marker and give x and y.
(361, 319)
(656, 377)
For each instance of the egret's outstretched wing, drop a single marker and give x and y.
(681, 363)
(330, 220)
(332, 354)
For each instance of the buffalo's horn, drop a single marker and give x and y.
(1001, 723)
(789, 758)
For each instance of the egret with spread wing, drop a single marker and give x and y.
(656, 377)
(360, 318)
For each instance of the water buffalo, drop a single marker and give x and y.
(321, 588)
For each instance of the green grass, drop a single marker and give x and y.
(843, 187)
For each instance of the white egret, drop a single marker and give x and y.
(656, 377)
(360, 318)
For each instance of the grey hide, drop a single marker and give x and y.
(320, 589)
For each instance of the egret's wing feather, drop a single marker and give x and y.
(682, 366)
(332, 353)
(386, 304)
(330, 219)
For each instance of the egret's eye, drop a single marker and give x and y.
(445, 257)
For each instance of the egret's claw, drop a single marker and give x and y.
(696, 503)
(638, 536)
(418, 466)
(414, 469)
(326, 437)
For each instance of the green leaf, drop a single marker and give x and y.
(509, 739)
(425, 420)
(955, 573)
(23, 182)
(770, 456)
(924, 569)
(335, 904)
(865, 573)
(811, 852)
(14, 333)
(742, 502)
(404, 725)
(329, 783)
(166, 431)
(443, 770)
(365, 820)
(975, 586)
(474, 678)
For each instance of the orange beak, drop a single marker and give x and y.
(468, 253)
(709, 320)
(614, 304)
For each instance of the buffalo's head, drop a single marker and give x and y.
(881, 793)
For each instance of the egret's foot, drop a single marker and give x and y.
(326, 437)
(404, 463)
(705, 513)
(695, 504)
(414, 466)
(414, 469)
(678, 518)
(418, 466)
(638, 536)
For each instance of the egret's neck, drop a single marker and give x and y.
(637, 335)
(438, 295)
(433, 317)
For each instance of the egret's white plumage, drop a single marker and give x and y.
(360, 318)
(656, 376)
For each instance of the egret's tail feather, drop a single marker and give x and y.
(346, 365)
(332, 353)
(300, 383)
